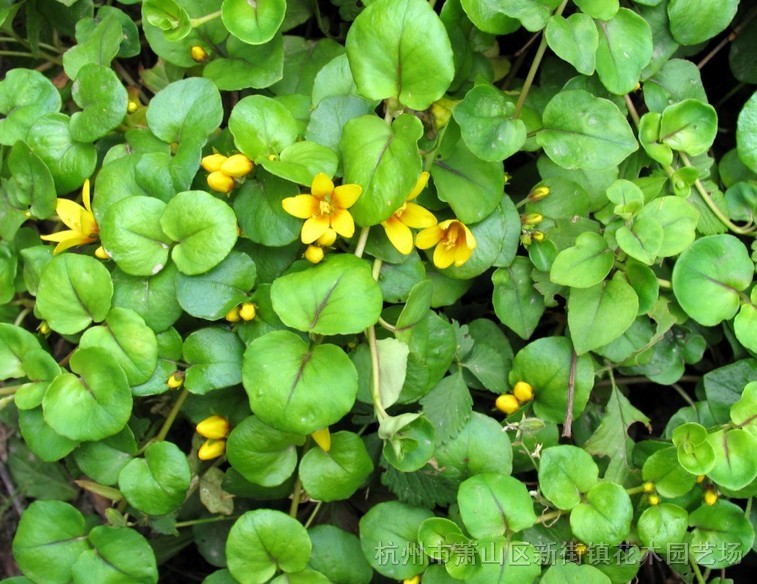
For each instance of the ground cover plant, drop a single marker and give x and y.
(304, 291)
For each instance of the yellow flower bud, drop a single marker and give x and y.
(237, 166)
(654, 499)
(322, 438)
(101, 253)
(176, 380)
(233, 315)
(220, 182)
(700, 479)
(414, 580)
(272, 157)
(211, 449)
(710, 497)
(531, 219)
(538, 194)
(648, 487)
(44, 328)
(327, 239)
(214, 427)
(132, 106)
(441, 111)
(507, 403)
(213, 162)
(581, 549)
(314, 254)
(523, 391)
(247, 311)
(537, 236)
(199, 54)
(525, 239)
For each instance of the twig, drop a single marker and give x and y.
(567, 429)
(8, 482)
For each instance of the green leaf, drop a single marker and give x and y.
(214, 356)
(391, 524)
(338, 296)
(382, 159)
(678, 219)
(205, 229)
(574, 39)
(487, 125)
(93, 405)
(586, 132)
(662, 525)
(472, 187)
(103, 460)
(332, 113)
(42, 440)
(302, 161)
(400, 49)
(694, 22)
(15, 342)
(119, 556)
(51, 535)
(600, 314)
(724, 386)
(247, 66)
(746, 133)
(263, 541)
(504, 561)
(34, 185)
(153, 298)
(706, 285)
(487, 16)
(742, 412)
(256, 22)
(69, 161)
(337, 554)
(669, 477)
(677, 80)
(643, 240)
(695, 454)
(583, 265)
(211, 295)
(260, 214)
(569, 573)
(546, 364)
(605, 517)
(689, 126)
(565, 473)
(408, 441)
(261, 126)
(169, 17)
(132, 236)
(600, 9)
(392, 368)
(36, 478)
(721, 526)
(625, 48)
(261, 454)
(103, 99)
(25, 96)
(185, 111)
(336, 475)
(735, 464)
(494, 504)
(448, 406)
(128, 340)
(156, 484)
(100, 46)
(295, 387)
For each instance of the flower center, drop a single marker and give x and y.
(325, 208)
(450, 239)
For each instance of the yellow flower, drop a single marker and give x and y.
(410, 214)
(507, 403)
(325, 207)
(233, 315)
(710, 497)
(523, 391)
(214, 427)
(220, 182)
(237, 165)
(199, 54)
(213, 162)
(176, 380)
(322, 438)
(211, 449)
(80, 220)
(314, 254)
(247, 311)
(453, 240)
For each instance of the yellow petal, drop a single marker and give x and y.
(211, 449)
(301, 206)
(215, 427)
(70, 213)
(213, 162)
(417, 217)
(322, 438)
(419, 186)
(342, 223)
(71, 242)
(86, 196)
(470, 241)
(399, 235)
(322, 186)
(462, 254)
(429, 237)
(59, 236)
(345, 195)
(314, 227)
(443, 256)
(89, 224)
